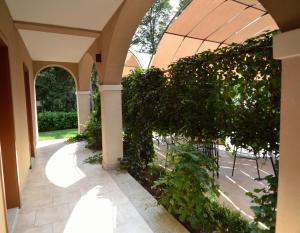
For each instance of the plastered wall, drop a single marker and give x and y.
(18, 56)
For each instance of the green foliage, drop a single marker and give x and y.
(230, 221)
(95, 100)
(231, 92)
(93, 159)
(183, 3)
(238, 85)
(194, 100)
(48, 121)
(265, 201)
(77, 138)
(156, 170)
(190, 193)
(55, 89)
(189, 190)
(152, 26)
(57, 134)
(140, 99)
(92, 132)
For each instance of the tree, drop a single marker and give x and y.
(183, 3)
(95, 95)
(55, 89)
(152, 26)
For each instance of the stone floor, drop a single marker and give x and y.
(65, 195)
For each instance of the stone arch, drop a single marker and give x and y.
(285, 13)
(84, 72)
(115, 40)
(71, 68)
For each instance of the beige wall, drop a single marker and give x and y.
(18, 55)
(3, 217)
(83, 109)
(286, 47)
(2, 212)
(111, 119)
(113, 44)
(71, 67)
(289, 171)
(84, 72)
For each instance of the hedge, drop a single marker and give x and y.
(48, 121)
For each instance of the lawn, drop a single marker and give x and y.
(57, 134)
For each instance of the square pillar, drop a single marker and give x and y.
(286, 47)
(111, 123)
(83, 109)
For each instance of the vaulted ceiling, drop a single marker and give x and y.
(60, 30)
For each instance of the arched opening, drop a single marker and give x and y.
(55, 89)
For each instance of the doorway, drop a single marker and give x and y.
(7, 133)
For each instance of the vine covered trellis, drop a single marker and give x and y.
(232, 92)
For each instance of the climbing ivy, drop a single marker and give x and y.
(231, 92)
(141, 111)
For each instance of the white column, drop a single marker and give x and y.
(111, 123)
(83, 109)
(286, 47)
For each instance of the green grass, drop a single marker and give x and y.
(57, 134)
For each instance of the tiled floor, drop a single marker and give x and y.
(65, 195)
(12, 217)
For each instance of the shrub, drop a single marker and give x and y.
(156, 170)
(77, 138)
(140, 97)
(93, 159)
(230, 221)
(93, 132)
(265, 201)
(48, 121)
(189, 192)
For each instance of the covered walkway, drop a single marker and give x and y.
(65, 195)
(36, 34)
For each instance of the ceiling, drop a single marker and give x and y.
(211, 24)
(45, 46)
(60, 30)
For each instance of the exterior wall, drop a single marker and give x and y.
(84, 72)
(2, 212)
(289, 173)
(114, 42)
(111, 119)
(72, 68)
(83, 91)
(18, 55)
(286, 47)
(83, 109)
(3, 218)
